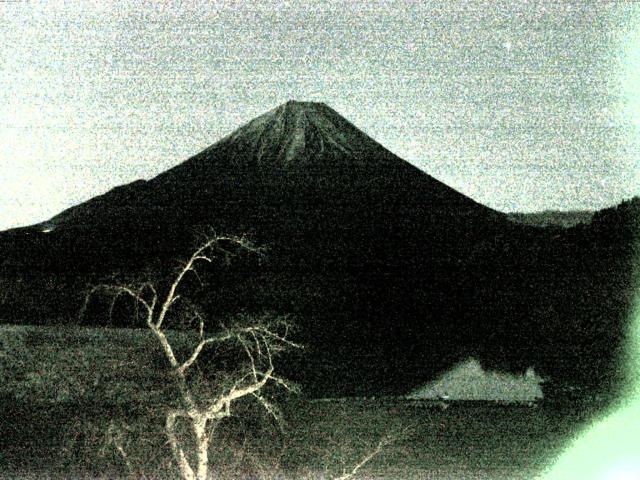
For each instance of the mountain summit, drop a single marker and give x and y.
(305, 145)
(296, 134)
(311, 151)
(298, 153)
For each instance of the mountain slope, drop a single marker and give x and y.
(298, 145)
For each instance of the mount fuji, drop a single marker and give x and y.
(391, 275)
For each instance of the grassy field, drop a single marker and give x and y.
(66, 393)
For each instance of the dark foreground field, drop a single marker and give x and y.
(71, 396)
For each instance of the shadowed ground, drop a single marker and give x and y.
(62, 387)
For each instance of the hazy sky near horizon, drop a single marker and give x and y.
(522, 106)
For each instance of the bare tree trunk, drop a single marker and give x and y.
(199, 424)
(186, 472)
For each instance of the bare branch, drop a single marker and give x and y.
(256, 341)
(166, 346)
(268, 406)
(275, 336)
(251, 359)
(194, 356)
(223, 403)
(370, 455)
(198, 255)
(116, 291)
(197, 275)
(114, 436)
(284, 384)
(366, 459)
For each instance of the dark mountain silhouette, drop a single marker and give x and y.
(391, 274)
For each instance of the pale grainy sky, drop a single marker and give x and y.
(522, 105)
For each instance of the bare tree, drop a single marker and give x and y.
(260, 340)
